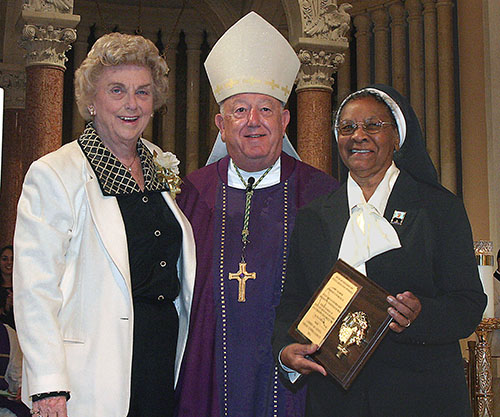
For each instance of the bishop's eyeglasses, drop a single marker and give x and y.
(348, 127)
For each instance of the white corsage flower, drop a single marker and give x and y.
(167, 171)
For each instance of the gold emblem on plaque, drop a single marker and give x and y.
(352, 331)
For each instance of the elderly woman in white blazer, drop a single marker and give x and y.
(105, 260)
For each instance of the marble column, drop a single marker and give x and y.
(13, 81)
(431, 83)
(362, 24)
(381, 37)
(314, 128)
(193, 42)
(44, 95)
(446, 73)
(398, 40)
(314, 109)
(46, 36)
(168, 118)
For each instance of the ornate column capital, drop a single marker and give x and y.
(13, 81)
(48, 30)
(317, 68)
(321, 43)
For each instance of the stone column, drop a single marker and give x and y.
(381, 34)
(193, 42)
(314, 108)
(47, 34)
(363, 24)
(13, 81)
(431, 83)
(320, 46)
(398, 37)
(446, 94)
(168, 118)
(80, 52)
(344, 77)
(417, 83)
(213, 106)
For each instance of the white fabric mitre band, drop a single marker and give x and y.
(252, 57)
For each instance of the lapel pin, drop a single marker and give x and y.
(398, 217)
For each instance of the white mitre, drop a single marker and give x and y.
(252, 57)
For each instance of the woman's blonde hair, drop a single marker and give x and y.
(119, 49)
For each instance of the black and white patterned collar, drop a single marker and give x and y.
(112, 175)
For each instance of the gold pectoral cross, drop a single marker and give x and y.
(242, 275)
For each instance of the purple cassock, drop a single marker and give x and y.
(228, 367)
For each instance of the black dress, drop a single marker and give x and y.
(154, 241)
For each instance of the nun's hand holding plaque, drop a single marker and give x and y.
(347, 317)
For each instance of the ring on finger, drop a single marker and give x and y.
(408, 324)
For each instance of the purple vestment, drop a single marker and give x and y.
(228, 367)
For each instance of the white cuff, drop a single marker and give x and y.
(292, 374)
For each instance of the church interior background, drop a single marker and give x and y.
(442, 54)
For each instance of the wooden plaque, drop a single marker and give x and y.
(347, 317)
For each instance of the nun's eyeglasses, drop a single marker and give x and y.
(348, 127)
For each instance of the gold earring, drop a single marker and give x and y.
(91, 110)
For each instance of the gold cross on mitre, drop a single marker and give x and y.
(242, 275)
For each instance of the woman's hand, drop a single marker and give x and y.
(405, 309)
(50, 407)
(294, 356)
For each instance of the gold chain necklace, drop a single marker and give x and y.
(129, 167)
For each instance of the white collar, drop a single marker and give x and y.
(273, 177)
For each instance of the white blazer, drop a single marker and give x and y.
(73, 299)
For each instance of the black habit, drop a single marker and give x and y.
(417, 373)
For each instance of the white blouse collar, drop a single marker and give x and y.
(368, 233)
